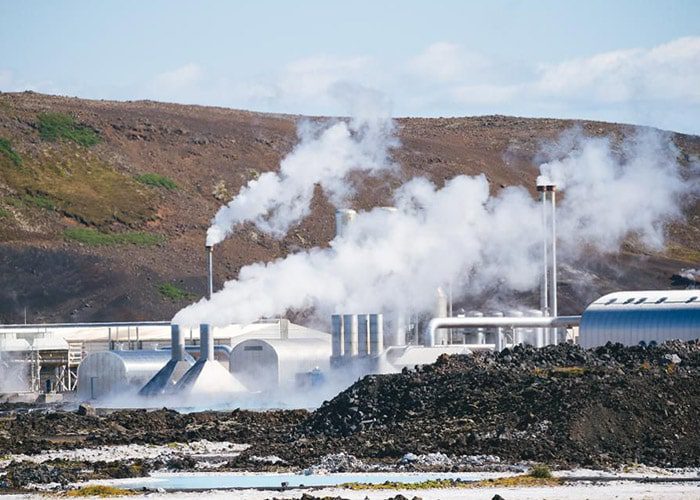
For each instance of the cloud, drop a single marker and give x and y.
(445, 62)
(178, 82)
(667, 72)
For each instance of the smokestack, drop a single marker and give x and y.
(207, 376)
(206, 342)
(177, 343)
(343, 218)
(210, 270)
(180, 362)
(548, 290)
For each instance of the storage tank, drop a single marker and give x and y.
(101, 373)
(267, 364)
(647, 316)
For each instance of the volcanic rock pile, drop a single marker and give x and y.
(562, 404)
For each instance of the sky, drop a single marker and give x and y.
(632, 61)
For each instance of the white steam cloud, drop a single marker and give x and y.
(456, 234)
(325, 155)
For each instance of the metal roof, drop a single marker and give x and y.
(632, 317)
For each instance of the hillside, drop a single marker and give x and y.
(104, 205)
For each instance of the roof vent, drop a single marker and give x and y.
(611, 301)
(641, 301)
(692, 299)
(629, 301)
(662, 300)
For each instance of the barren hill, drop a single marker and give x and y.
(104, 205)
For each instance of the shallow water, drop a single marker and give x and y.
(225, 480)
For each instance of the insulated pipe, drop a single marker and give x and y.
(206, 342)
(210, 270)
(177, 343)
(111, 324)
(494, 321)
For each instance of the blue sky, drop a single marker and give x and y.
(628, 61)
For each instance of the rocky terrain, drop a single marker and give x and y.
(561, 405)
(104, 205)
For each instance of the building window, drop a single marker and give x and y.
(253, 348)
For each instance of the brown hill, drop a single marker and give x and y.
(104, 205)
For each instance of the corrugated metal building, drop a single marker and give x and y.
(267, 364)
(647, 316)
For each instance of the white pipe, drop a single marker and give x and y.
(553, 287)
(495, 321)
(544, 292)
(210, 271)
(30, 326)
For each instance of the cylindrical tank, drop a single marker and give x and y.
(337, 341)
(351, 336)
(105, 372)
(376, 334)
(475, 336)
(363, 334)
(518, 333)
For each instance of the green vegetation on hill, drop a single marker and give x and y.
(58, 126)
(93, 237)
(157, 180)
(80, 185)
(39, 200)
(7, 151)
(174, 292)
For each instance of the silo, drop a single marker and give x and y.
(351, 335)
(337, 337)
(343, 218)
(376, 334)
(363, 334)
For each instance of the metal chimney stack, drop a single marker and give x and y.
(180, 362)
(210, 270)
(548, 296)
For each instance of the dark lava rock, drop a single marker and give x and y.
(86, 410)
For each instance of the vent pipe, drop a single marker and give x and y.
(206, 342)
(343, 218)
(548, 291)
(210, 270)
(180, 362)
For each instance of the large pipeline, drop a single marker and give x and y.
(496, 321)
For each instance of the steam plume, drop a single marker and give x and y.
(325, 155)
(460, 234)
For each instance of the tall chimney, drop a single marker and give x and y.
(548, 292)
(210, 270)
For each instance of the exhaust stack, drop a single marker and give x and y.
(210, 270)
(180, 362)
(548, 291)
(207, 376)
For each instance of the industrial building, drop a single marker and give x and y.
(158, 359)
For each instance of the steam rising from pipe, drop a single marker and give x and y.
(457, 233)
(325, 155)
